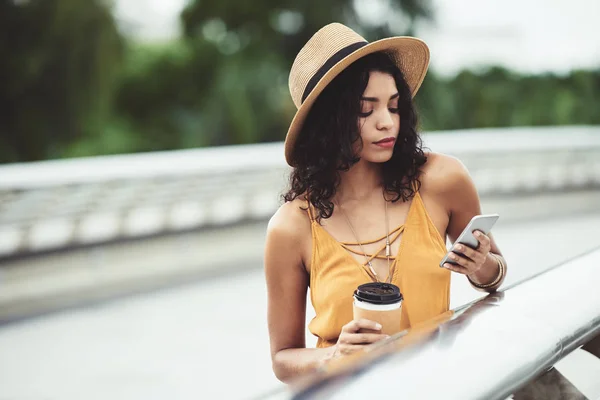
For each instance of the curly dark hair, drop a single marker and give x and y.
(325, 145)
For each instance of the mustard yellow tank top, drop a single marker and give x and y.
(334, 275)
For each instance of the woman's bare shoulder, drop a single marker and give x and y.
(287, 238)
(441, 173)
(290, 220)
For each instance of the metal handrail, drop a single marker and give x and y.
(484, 350)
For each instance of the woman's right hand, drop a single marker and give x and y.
(356, 335)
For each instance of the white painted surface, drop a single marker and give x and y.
(208, 339)
(165, 191)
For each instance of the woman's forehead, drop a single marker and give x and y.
(381, 86)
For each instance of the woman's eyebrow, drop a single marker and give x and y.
(376, 100)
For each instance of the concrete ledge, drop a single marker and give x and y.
(38, 284)
(55, 205)
(35, 285)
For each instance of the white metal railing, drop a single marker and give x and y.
(56, 204)
(486, 350)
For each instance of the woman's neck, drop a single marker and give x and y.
(359, 183)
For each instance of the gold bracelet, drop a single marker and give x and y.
(501, 272)
(501, 268)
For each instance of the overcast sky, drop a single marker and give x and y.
(526, 35)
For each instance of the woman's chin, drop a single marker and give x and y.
(379, 158)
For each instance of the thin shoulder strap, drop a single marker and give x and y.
(311, 215)
(414, 186)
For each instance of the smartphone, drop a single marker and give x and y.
(483, 223)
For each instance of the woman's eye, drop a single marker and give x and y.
(394, 110)
(365, 114)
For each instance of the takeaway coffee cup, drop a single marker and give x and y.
(379, 302)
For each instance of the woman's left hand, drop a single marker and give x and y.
(473, 259)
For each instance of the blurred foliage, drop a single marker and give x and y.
(60, 59)
(226, 80)
(497, 97)
(71, 86)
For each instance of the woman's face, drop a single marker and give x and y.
(379, 121)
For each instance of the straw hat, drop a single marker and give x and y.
(329, 52)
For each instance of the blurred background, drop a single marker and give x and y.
(141, 157)
(107, 77)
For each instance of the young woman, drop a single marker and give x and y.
(366, 203)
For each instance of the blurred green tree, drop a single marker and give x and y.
(226, 83)
(497, 97)
(70, 86)
(58, 69)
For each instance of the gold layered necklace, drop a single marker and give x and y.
(388, 252)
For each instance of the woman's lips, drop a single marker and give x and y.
(386, 143)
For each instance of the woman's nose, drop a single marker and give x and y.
(385, 121)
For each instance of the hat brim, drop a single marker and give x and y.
(410, 54)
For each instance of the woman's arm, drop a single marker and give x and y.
(287, 284)
(463, 204)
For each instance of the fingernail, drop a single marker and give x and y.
(459, 248)
(377, 326)
(477, 233)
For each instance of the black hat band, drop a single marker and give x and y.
(331, 61)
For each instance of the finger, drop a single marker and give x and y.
(462, 261)
(357, 324)
(457, 268)
(484, 240)
(364, 338)
(363, 330)
(477, 256)
(467, 251)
